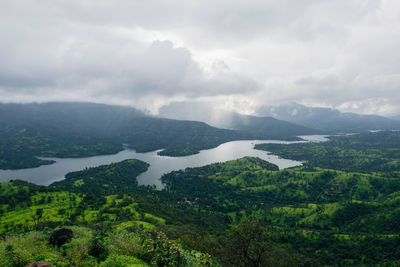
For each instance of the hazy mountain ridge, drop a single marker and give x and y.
(328, 119)
(396, 117)
(69, 116)
(260, 126)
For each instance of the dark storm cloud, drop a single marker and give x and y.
(77, 57)
(147, 53)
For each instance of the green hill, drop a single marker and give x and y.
(367, 152)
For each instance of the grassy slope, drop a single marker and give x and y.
(127, 234)
(298, 197)
(344, 213)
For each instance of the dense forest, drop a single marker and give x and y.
(366, 152)
(86, 129)
(244, 212)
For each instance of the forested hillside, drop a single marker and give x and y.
(84, 129)
(367, 152)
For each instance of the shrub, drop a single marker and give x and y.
(130, 244)
(17, 250)
(98, 247)
(123, 261)
(51, 257)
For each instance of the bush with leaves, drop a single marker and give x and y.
(98, 247)
(250, 243)
(164, 252)
(123, 261)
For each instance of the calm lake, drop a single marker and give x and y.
(159, 165)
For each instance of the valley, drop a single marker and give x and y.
(159, 165)
(320, 200)
(66, 130)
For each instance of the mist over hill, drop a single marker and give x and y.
(328, 119)
(261, 126)
(396, 117)
(292, 118)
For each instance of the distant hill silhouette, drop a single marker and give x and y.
(259, 126)
(329, 119)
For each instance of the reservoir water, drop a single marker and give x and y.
(159, 165)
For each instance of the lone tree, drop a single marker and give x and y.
(249, 243)
(37, 217)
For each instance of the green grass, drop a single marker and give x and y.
(59, 206)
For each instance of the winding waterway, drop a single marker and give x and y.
(159, 165)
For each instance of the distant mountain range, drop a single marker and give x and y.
(283, 120)
(327, 119)
(88, 129)
(260, 126)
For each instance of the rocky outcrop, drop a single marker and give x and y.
(61, 236)
(39, 264)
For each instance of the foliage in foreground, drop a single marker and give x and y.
(104, 247)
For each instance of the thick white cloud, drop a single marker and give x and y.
(339, 53)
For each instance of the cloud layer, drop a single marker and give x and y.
(239, 54)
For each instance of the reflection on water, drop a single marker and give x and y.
(46, 174)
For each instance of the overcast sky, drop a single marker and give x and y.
(237, 54)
